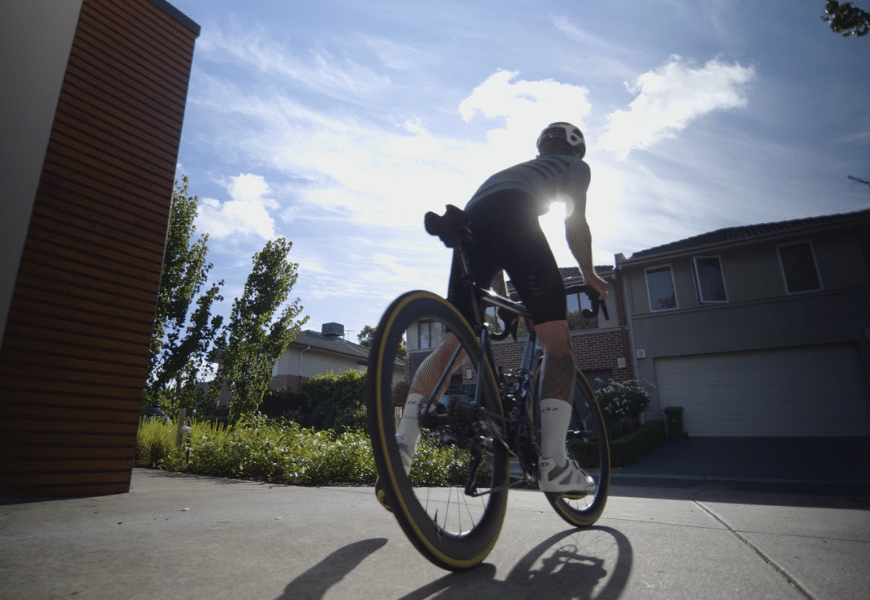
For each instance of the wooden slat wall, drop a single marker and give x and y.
(75, 351)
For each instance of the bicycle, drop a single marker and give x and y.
(488, 425)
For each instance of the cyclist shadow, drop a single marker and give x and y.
(316, 581)
(575, 570)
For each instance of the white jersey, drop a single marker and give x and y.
(546, 179)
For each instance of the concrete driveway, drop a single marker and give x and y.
(182, 536)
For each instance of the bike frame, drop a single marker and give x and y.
(528, 365)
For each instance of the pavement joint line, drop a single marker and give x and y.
(769, 561)
(739, 479)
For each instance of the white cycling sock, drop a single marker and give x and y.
(555, 419)
(409, 426)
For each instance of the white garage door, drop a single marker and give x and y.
(816, 391)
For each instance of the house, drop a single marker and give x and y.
(600, 347)
(94, 98)
(314, 353)
(761, 330)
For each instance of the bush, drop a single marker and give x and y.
(624, 400)
(155, 439)
(337, 401)
(624, 450)
(286, 404)
(260, 448)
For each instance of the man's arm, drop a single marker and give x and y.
(580, 242)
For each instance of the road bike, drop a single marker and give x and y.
(482, 413)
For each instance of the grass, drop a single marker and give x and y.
(264, 449)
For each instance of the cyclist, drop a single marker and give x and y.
(504, 218)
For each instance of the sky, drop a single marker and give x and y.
(338, 124)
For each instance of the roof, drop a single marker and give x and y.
(749, 232)
(333, 344)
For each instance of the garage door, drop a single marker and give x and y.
(816, 391)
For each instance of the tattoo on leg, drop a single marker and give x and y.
(557, 377)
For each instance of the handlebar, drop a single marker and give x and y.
(510, 328)
(592, 294)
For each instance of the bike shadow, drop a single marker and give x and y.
(571, 565)
(577, 564)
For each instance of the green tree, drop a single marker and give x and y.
(367, 336)
(846, 19)
(254, 338)
(184, 328)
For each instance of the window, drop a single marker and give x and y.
(799, 268)
(708, 276)
(660, 286)
(429, 334)
(576, 320)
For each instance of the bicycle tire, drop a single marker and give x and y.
(587, 444)
(442, 538)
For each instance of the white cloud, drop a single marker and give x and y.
(670, 98)
(246, 214)
(527, 107)
(319, 71)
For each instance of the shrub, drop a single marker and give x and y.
(624, 450)
(260, 448)
(337, 401)
(286, 404)
(155, 439)
(624, 400)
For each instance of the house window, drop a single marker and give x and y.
(429, 334)
(660, 286)
(576, 304)
(708, 276)
(799, 268)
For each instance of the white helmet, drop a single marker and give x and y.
(567, 132)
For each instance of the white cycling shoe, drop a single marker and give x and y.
(567, 479)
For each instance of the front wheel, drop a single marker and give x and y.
(448, 526)
(587, 444)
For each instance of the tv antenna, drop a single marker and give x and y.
(867, 183)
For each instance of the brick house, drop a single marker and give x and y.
(600, 348)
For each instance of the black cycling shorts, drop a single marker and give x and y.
(506, 223)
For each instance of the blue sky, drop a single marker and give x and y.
(338, 124)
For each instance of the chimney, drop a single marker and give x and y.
(333, 330)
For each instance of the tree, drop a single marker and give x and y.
(182, 336)
(367, 336)
(846, 19)
(254, 340)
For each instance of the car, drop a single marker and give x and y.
(153, 413)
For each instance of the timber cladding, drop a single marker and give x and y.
(75, 351)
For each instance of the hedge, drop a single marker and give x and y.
(624, 450)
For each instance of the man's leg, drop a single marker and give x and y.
(422, 386)
(557, 382)
(556, 472)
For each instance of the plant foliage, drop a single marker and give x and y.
(254, 338)
(184, 328)
(623, 400)
(846, 19)
(258, 447)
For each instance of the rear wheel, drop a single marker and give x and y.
(456, 452)
(586, 443)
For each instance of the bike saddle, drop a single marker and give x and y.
(451, 227)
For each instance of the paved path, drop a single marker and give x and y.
(178, 536)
